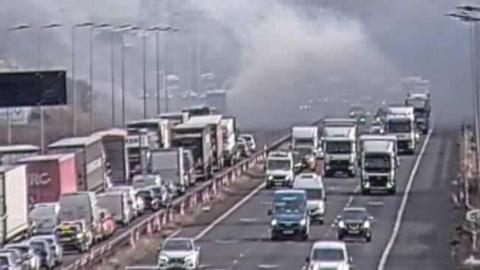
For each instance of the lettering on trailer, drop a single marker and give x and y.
(94, 165)
(39, 179)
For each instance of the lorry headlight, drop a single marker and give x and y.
(270, 177)
(341, 224)
(79, 235)
(366, 225)
(273, 222)
(303, 222)
(366, 184)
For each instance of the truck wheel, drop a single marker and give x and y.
(328, 173)
(304, 237)
(273, 237)
(365, 191)
(392, 190)
(268, 185)
(351, 174)
(368, 238)
(340, 236)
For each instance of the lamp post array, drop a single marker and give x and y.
(92, 27)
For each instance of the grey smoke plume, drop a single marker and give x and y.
(287, 58)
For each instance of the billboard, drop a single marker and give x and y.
(26, 89)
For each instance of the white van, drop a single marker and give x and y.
(312, 183)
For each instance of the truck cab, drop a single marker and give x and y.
(340, 150)
(280, 169)
(421, 108)
(289, 214)
(378, 164)
(400, 121)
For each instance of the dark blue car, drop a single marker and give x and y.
(289, 214)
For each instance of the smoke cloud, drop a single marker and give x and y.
(288, 58)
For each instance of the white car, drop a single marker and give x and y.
(312, 183)
(250, 141)
(328, 255)
(179, 253)
(7, 261)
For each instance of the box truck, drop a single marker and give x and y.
(49, 176)
(13, 199)
(116, 157)
(89, 161)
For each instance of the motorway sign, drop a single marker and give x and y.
(18, 116)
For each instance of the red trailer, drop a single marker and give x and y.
(49, 176)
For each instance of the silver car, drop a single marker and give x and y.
(55, 246)
(8, 262)
(179, 253)
(41, 247)
(28, 254)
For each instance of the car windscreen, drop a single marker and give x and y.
(354, 214)
(328, 255)
(398, 126)
(278, 164)
(377, 162)
(289, 203)
(416, 103)
(177, 245)
(304, 151)
(314, 194)
(334, 147)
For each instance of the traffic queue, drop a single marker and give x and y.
(363, 146)
(83, 189)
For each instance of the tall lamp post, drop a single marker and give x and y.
(465, 16)
(157, 30)
(40, 65)
(74, 94)
(9, 121)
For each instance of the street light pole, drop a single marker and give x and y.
(144, 53)
(74, 94)
(90, 50)
(40, 65)
(112, 75)
(471, 20)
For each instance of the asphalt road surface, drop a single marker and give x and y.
(419, 240)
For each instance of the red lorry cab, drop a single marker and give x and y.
(49, 176)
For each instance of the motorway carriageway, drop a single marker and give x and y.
(262, 137)
(410, 230)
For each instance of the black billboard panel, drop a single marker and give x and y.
(25, 89)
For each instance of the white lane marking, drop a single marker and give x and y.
(267, 266)
(175, 233)
(248, 220)
(375, 203)
(230, 241)
(401, 210)
(229, 212)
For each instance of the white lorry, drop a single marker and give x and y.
(305, 146)
(169, 164)
(119, 206)
(340, 150)
(14, 208)
(280, 169)
(400, 121)
(305, 136)
(378, 163)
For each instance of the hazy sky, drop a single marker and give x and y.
(276, 53)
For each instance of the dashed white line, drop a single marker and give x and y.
(401, 210)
